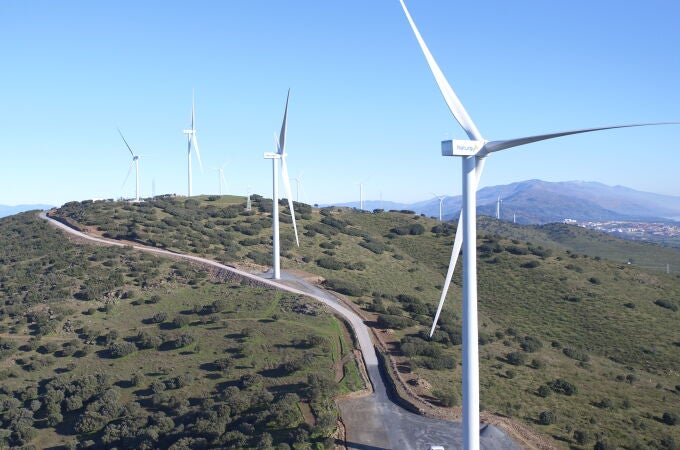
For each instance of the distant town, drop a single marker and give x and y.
(653, 231)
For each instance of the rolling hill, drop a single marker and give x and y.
(578, 346)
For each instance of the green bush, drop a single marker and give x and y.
(670, 418)
(516, 358)
(666, 304)
(328, 262)
(562, 386)
(344, 287)
(120, 349)
(578, 355)
(547, 418)
(393, 322)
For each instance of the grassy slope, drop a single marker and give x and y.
(564, 299)
(119, 290)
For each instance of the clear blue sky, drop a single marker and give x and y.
(364, 106)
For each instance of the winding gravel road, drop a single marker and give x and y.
(372, 422)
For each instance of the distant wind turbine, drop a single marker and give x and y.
(220, 177)
(498, 207)
(441, 203)
(191, 141)
(298, 182)
(474, 153)
(281, 156)
(361, 196)
(135, 162)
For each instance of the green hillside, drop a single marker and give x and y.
(106, 347)
(564, 237)
(582, 348)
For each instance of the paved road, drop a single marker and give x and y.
(372, 422)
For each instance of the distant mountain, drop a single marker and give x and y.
(6, 210)
(538, 202)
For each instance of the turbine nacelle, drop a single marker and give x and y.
(270, 155)
(188, 131)
(462, 147)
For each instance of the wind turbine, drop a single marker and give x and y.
(191, 141)
(135, 162)
(498, 207)
(220, 176)
(281, 156)
(361, 196)
(298, 182)
(473, 153)
(441, 203)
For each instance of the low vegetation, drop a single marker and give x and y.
(110, 348)
(565, 321)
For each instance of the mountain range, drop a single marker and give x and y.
(539, 202)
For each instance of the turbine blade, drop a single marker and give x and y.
(224, 181)
(198, 153)
(454, 104)
(286, 185)
(495, 146)
(193, 110)
(128, 174)
(281, 143)
(457, 246)
(126, 144)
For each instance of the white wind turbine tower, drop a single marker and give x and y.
(281, 156)
(361, 196)
(191, 141)
(473, 153)
(498, 207)
(220, 176)
(441, 203)
(298, 182)
(135, 162)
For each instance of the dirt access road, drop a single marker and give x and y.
(372, 422)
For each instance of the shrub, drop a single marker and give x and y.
(530, 344)
(562, 386)
(374, 246)
(669, 418)
(120, 349)
(394, 322)
(543, 391)
(344, 287)
(531, 264)
(446, 398)
(547, 418)
(582, 436)
(440, 363)
(516, 358)
(181, 320)
(666, 304)
(537, 364)
(604, 444)
(328, 262)
(594, 280)
(576, 354)
(159, 317)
